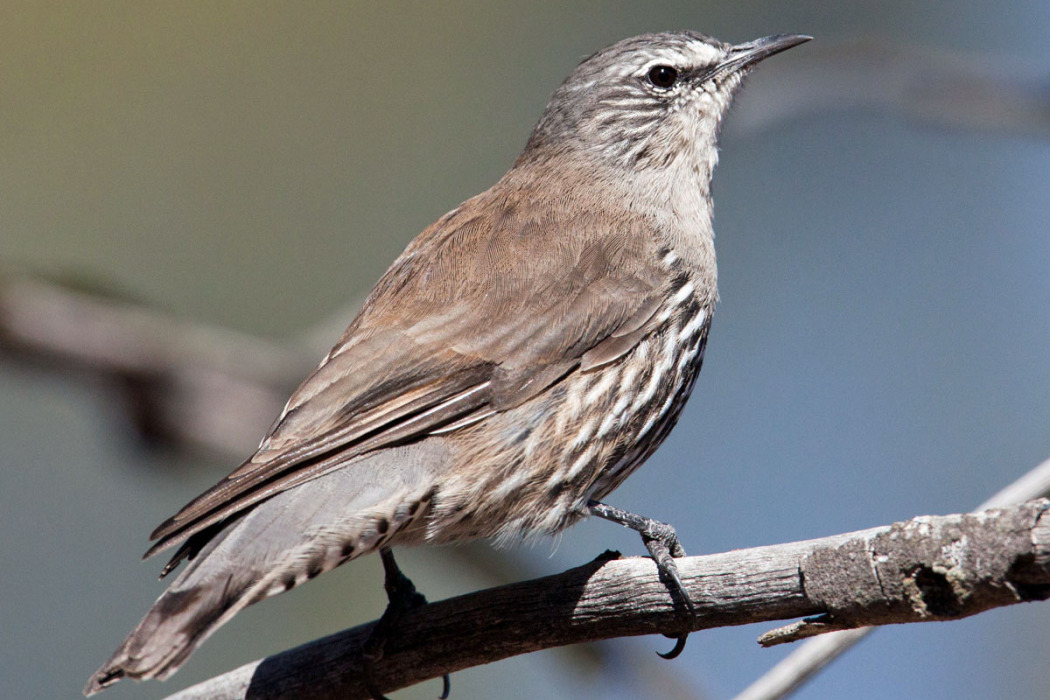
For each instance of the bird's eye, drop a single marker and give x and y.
(662, 77)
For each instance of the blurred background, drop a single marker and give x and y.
(222, 181)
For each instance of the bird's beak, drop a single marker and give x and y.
(742, 56)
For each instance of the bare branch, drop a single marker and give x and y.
(806, 661)
(802, 664)
(188, 384)
(192, 387)
(925, 569)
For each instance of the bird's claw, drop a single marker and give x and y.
(679, 645)
(402, 597)
(662, 542)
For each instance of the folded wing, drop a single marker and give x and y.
(472, 319)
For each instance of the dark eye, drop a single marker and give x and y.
(662, 77)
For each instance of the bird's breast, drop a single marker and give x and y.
(533, 468)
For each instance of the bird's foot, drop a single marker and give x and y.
(402, 597)
(662, 542)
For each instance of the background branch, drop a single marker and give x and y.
(953, 90)
(184, 384)
(925, 569)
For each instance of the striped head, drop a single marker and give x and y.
(651, 100)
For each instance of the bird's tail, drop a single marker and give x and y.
(284, 541)
(173, 628)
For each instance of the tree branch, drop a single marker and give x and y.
(947, 89)
(185, 384)
(925, 569)
(808, 659)
(190, 387)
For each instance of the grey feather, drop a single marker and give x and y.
(284, 541)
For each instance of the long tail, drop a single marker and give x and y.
(291, 538)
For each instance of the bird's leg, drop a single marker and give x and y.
(402, 596)
(662, 542)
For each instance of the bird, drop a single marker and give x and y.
(521, 358)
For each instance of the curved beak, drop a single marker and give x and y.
(742, 56)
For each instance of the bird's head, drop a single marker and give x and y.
(651, 100)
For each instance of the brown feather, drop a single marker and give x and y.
(476, 307)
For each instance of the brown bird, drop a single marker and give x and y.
(525, 354)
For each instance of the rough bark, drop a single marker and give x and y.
(922, 570)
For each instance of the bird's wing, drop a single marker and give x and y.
(473, 318)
